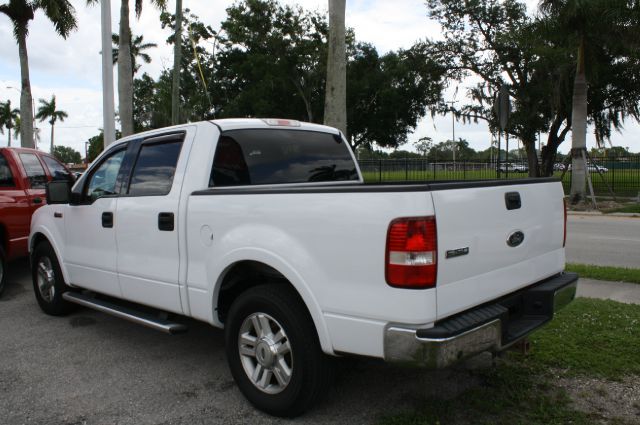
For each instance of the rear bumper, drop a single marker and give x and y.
(491, 327)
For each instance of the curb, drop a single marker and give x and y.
(601, 214)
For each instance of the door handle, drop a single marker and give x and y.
(165, 221)
(107, 220)
(37, 200)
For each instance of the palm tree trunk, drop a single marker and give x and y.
(125, 72)
(9, 140)
(177, 61)
(51, 151)
(26, 114)
(579, 129)
(335, 104)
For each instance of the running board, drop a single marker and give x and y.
(126, 313)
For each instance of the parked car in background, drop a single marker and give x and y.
(594, 168)
(514, 168)
(23, 176)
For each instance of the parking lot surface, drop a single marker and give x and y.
(91, 368)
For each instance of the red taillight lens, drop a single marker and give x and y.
(411, 255)
(564, 238)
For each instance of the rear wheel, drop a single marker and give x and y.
(3, 270)
(48, 283)
(274, 353)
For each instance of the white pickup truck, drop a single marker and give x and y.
(265, 228)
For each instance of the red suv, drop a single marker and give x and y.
(24, 174)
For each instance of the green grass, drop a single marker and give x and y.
(635, 208)
(593, 338)
(590, 337)
(616, 274)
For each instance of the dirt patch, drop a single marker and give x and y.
(604, 400)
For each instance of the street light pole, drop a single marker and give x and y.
(108, 109)
(453, 130)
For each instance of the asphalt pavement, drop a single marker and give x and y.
(603, 240)
(91, 368)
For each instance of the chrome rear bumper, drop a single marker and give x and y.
(491, 327)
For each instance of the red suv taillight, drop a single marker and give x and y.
(564, 238)
(411, 255)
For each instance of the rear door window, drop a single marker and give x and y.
(154, 169)
(56, 169)
(34, 170)
(6, 178)
(276, 156)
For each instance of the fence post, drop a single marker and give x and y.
(613, 175)
(406, 168)
(464, 169)
(380, 170)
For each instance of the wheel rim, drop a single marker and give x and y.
(265, 353)
(46, 279)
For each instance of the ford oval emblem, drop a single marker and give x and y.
(515, 239)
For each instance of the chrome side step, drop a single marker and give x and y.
(127, 313)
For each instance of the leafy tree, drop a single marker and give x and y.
(499, 43)
(67, 155)
(604, 35)
(62, 15)
(9, 117)
(48, 111)
(138, 47)
(424, 145)
(96, 145)
(335, 103)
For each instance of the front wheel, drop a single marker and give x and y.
(274, 353)
(48, 283)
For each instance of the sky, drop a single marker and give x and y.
(71, 69)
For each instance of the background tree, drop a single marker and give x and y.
(424, 145)
(602, 33)
(125, 62)
(335, 104)
(67, 155)
(9, 118)
(62, 15)
(137, 48)
(48, 111)
(96, 145)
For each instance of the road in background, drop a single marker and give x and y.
(603, 240)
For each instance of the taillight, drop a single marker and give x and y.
(564, 238)
(411, 255)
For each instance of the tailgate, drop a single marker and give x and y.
(489, 247)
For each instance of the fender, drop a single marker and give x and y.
(286, 269)
(46, 227)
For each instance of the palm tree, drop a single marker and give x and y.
(62, 14)
(36, 133)
(586, 22)
(47, 110)
(335, 104)
(125, 62)
(8, 118)
(137, 50)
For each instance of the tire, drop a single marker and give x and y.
(48, 283)
(286, 358)
(3, 270)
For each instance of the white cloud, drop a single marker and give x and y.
(71, 69)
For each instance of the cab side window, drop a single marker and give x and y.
(154, 169)
(56, 169)
(34, 170)
(6, 178)
(102, 181)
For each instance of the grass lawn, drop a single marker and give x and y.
(635, 208)
(617, 274)
(593, 338)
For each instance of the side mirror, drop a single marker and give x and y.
(58, 192)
